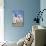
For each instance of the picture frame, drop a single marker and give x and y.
(18, 18)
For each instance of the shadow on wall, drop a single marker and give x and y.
(15, 33)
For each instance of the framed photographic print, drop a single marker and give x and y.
(18, 18)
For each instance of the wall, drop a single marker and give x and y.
(30, 7)
(43, 6)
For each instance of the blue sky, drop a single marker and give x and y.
(18, 12)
